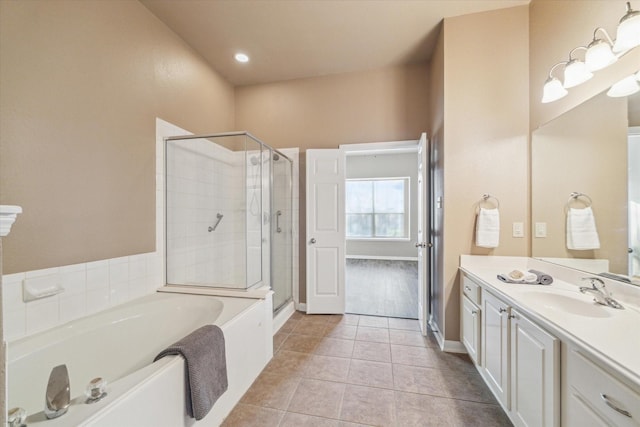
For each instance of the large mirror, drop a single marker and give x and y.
(589, 158)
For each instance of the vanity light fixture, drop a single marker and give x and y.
(625, 87)
(575, 72)
(599, 53)
(553, 88)
(628, 35)
(241, 57)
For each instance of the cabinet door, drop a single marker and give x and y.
(534, 374)
(471, 328)
(495, 346)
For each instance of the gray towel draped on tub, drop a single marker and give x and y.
(204, 354)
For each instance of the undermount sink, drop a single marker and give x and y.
(577, 305)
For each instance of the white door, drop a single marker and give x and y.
(422, 244)
(325, 231)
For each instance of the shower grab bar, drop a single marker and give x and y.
(219, 218)
(278, 229)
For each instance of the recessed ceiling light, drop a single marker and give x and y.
(241, 57)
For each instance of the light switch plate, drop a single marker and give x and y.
(541, 229)
(518, 229)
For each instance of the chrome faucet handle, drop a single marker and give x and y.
(593, 281)
(58, 395)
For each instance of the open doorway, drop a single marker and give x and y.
(381, 202)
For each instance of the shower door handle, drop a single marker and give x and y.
(278, 229)
(313, 240)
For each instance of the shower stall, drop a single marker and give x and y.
(228, 214)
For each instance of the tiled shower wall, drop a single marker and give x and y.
(203, 180)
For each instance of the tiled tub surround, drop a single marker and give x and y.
(350, 370)
(89, 288)
(596, 367)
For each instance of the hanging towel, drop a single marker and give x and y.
(581, 230)
(488, 228)
(204, 354)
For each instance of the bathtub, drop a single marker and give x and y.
(120, 344)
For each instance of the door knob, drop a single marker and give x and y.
(313, 240)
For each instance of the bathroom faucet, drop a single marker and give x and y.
(58, 395)
(600, 293)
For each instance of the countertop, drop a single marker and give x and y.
(611, 335)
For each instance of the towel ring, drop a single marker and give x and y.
(575, 195)
(488, 196)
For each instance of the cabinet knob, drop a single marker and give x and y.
(502, 310)
(513, 316)
(474, 312)
(613, 406)
(468, 289)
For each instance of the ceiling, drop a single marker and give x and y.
(292, 39)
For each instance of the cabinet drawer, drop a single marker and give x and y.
(471, 289)
(603, 392)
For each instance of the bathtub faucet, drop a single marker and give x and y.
(58, 395)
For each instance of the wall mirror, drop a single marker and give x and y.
(593, 150)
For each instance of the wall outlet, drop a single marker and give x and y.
(541, 229)
(518, 229)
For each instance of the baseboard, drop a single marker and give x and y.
(454, 347)
(283, 315)
(383, 258)
(301, 306)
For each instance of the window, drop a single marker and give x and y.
(377, 208)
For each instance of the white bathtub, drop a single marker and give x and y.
(120, 344)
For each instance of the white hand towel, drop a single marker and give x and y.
(488, 228)
(581, 230)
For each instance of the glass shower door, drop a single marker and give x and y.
(281, 232)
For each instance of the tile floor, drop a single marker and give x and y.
(340, 371)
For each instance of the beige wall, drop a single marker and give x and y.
(82, 84)
(585, 150)
(324, 112)
(486, 123)
(556, 28)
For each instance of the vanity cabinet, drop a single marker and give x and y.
(535, 373)
(593, 396)
(520, 364)
(495, 347)
(471, 319)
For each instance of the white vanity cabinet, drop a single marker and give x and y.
(495, 347)
(518, 359)
(592, 396)
(471, 317)
(535, 373)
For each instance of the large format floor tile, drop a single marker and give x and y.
(350, 371)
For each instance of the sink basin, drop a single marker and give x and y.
(577, 305)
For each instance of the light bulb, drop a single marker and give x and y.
(625, 87)
(553, 90)
(576, 73)
(628, 35)
(241, 57)
(599, 55)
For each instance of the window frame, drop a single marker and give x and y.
(406, 213)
